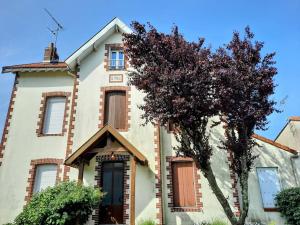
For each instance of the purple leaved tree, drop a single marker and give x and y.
(184, 82)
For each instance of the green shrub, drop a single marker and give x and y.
(215, 222)
(288, 203)
(147, 222)
(65, 204)
(218, 222)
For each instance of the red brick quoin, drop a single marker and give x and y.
(71, 125)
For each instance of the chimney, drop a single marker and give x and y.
(50, 54)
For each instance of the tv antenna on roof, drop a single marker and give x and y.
(58, 28)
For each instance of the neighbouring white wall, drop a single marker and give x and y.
(23, 144)
(269, 156)
(290, 135)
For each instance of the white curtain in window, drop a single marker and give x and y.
(54, 115)
(269, 185)
(45, 176)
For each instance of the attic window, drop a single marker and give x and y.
(116, 59)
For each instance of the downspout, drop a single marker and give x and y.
(292, 158)
(162, 174)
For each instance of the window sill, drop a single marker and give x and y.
(122, 130)
(271, 210)
(46, 135)
(116, 69)
(186, 209)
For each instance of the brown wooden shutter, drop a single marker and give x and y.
(183, 184)
(115, 109)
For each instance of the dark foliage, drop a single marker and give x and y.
(244, 84)
(186, 84)
(176, 77)
(288, 203)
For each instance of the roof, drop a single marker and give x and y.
(36, 67)
(276, 144)
(115, 25)
(294, 118)
(71, 160)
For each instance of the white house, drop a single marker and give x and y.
(78, 119)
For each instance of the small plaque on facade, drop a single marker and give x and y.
(115, 78)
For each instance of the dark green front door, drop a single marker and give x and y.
(111, 209)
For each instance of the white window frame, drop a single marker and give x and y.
(37, 183)
(260, 185)
(119, 64)
(47, 121)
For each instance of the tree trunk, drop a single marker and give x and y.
(244, 189)
(208, 173)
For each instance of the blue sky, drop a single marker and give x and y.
(24, 34)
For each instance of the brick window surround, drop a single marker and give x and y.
(108, 48)
(43, 105)
(103, 92)
(107, 158)
(32, 172)
(198, 194)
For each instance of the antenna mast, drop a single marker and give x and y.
(58, 28)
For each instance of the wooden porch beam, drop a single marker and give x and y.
(80, 173)
(132, 190)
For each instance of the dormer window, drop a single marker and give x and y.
(116, 60)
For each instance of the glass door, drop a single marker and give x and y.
(111, 209)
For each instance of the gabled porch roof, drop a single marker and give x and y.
(88, 145)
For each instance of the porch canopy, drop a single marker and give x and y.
(101, 141)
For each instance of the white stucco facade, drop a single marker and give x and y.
(152, 179)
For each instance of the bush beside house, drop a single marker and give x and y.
(288, 203)
(65, 204)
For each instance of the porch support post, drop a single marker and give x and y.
(132, 190)
(80, 172)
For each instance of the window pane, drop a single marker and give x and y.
(121, 60)
(118, 187)
(45, 176)
(54, 115)
(114, 55)
(113, 59)
(269, 185)
(107, 186)
(121, 55)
